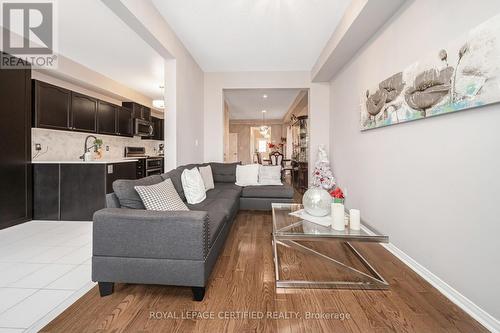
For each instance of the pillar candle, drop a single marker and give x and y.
(338, 216)
(354, 219)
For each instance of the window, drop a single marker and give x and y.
(262, 145)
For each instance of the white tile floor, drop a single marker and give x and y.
(44, 268)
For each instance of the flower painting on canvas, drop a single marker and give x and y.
(463, 75)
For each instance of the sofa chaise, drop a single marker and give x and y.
(135, 245)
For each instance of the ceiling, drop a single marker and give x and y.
(253, 35)
(92, 35)
(249, 103)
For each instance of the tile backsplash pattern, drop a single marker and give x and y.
(67, 146)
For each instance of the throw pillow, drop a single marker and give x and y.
(161, 196)
(247, 175)
(208, 178)
(193, 186)
(126, 193)
(270, 175)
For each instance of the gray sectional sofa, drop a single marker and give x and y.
(134, 245)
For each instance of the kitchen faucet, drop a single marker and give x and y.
(86, 149)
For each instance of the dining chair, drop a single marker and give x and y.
(276, 158)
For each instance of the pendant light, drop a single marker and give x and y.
(264, 129)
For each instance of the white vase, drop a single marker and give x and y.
(338, 216)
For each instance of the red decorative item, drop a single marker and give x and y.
(271, 145)
(337, 193)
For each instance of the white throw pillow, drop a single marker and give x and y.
(247, 175)
(270, 175)
(193, 186)
(161, 196)
(208, 178)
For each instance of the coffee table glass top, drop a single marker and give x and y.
(286, 226)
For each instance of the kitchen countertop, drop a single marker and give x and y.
(86, 162)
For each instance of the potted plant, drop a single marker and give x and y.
(98, 148)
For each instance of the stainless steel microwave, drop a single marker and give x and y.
(143, 127)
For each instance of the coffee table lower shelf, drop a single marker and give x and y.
(373, 281)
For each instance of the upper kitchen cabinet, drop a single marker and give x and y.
(159, 129)
(107, 114)
(138, 111)
(146, 113)
(59, 108)
(83, 113)
(124, 122)
(158, 125)
(52, 105)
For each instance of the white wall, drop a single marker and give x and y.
(431, 185)
(183, 82)
(189, 112)
(214, 105)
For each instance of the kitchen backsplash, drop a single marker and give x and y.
(66, 146)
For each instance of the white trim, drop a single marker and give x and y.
(448, 291)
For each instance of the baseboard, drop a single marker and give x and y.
(449, 292)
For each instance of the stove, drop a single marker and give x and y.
(146, 165)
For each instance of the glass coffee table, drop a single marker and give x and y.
(309, 255)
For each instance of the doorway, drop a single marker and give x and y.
(260, 118)
(260, 144)
(233, 148)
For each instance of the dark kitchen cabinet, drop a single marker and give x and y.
(125, 126)
(119, 171)
(74, 192)
(83, 113)
(52, 105)
(158, 133)
(15, 144)
(59, 108)
(146, 113)
(46, 192)
(140, 168)
(138, 110)
(81, 191)
(107, 114)
(159, 128)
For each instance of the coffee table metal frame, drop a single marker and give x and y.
(286, 237)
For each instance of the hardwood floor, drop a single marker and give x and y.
(243, 280)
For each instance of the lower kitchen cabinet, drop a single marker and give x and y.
(46, 191)
(119, 171)
(74, 192)
(81, 191)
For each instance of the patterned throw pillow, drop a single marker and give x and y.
(162, 196)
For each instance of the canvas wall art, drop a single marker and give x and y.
(462, 75)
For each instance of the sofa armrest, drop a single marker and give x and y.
(135, 233)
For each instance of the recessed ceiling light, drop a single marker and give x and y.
(264, 96)
(264, 111)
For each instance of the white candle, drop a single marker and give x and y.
(354, 219)
(338, 216)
